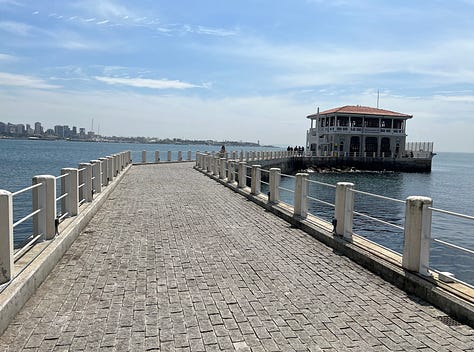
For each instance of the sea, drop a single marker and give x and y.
(450, 184)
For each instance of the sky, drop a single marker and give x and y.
(237, 69)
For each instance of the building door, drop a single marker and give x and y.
(354, 147)
(385, 147)
(371, 146)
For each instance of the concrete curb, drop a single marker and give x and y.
(410, 282)
(23, 286)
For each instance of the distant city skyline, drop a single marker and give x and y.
(238, 70)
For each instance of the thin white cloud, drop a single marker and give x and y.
(103, 22)
(9, 79)
(16, 28)
(147, 83)
(7, 58)
(220, 32)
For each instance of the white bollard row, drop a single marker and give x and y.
(77, 185)
(417, 232)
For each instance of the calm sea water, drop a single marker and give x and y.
(450, 184)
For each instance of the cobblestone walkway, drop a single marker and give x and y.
(176, 262)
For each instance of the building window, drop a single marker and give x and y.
(385, 146)
(371, 144)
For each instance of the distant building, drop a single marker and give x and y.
(3, 127)
(357, 131)
(38, 129)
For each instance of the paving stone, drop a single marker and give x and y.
(174, 261)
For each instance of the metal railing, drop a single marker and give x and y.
(415, 220)
(45, 216)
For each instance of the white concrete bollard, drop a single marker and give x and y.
(222, 164)
(180, 156)
(105, 171)
(116, 164)
(417, 236)
(190, 155)
(242, 174)
(44, 198)
(86, 179)
(157, 156)
(231, 171)
(96, 175)
(144, 156)
(70, 185)
(344, 209)
(256, 180)
(301, 195)
(6, 236)
(274, 181)
(241, 156)
(247, 156)
(110, 168)
(169, 155)
(215, 166)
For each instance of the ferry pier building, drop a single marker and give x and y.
(357, 131)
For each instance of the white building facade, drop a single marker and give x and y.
(357, 131)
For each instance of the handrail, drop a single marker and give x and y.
(26, 189)
(453, 246)
(289, 176)
(286, 189)
(26, 217)
(321, 183)
(378, 196)
(322, 201)
(378, 220)
(62, 176)
(468, 217)
(61, 197)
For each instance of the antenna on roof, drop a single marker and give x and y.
(378, 97)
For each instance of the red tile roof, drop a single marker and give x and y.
(361, 110)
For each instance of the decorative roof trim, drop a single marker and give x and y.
(360, 110)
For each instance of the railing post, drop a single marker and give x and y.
(301, 195)
(96, 175)
(275, 177)
(222, 162)
(157, 156)
(87, 181)
(69, 185)
(208, 163)
(117, 164)
(180, 156)
(190, 155)
(105, 171)
(169, 155)
(44, 198)
(215, 164)
(344, 209)
(231, 171)
(144, 156)
(242, 174)
(110, 168)
(417, 236)
(6, 236)
(256, 180)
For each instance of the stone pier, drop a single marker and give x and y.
(175, 262)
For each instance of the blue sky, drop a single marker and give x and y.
(237, 70)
